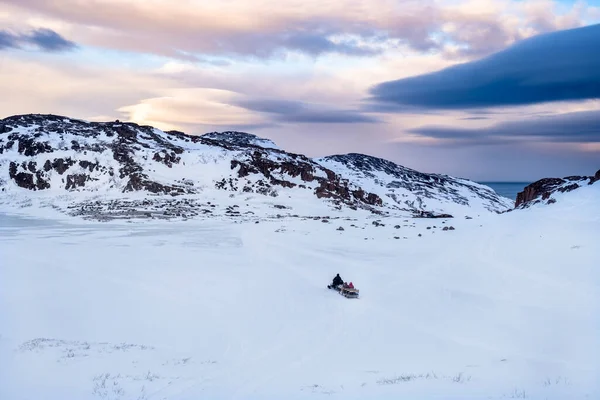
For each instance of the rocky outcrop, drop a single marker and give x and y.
(60, 165)
(596, 177)
(329, 185)
(26, 176)
(166, 158)
(76, 181)
(541, 191)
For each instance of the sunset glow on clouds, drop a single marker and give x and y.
(373, 76)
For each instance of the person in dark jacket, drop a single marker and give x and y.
(337, 281)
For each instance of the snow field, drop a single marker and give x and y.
(505, 306)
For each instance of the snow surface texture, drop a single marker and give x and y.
(122, 170)
(500, 307)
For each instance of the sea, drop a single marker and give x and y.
(507, 189)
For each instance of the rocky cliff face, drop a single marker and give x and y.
(53, 155)
(543, 191)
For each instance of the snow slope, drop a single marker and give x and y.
(504, 306)
(413, 190)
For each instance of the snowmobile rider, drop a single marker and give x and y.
(337, 281)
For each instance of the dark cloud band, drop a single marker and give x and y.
(575, 127)
(300, 112)
(558, 66)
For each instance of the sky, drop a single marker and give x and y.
(490, 90)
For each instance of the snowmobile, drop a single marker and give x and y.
(347, 292)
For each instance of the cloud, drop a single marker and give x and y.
(41, 39)
(49, 40)
(481, 27)
(254, 28)
(315, 44)
(557, 66)
(7, 40)
(246, 28)
(301, 112)
(574, 127)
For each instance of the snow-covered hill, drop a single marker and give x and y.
(546, 191)
(399, 186)
(110, 167)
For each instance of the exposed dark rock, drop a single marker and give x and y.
(167, 158)
(430, 214)
(60, 165)
(12, 169)
(595, 178)
(25, 180)
(88, 165)
(32, 180)
(543, 189)
(30, 147)
(41, 183)
(76, 180)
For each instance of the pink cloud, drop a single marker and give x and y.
(256, 28)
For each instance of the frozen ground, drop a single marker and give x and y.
(504, 306)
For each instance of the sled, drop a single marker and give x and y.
(349, 293)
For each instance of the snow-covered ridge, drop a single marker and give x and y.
(57, 153)
(54, 155)
(399, 186)
(546, 191)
